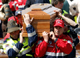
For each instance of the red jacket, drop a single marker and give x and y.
(60, 48)
(12, 5)
(0, 3)
(7, 36)
(15, 4)
(20, 4)
(14, 18)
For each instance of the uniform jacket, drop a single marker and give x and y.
(14, 50)
(75, 39)
(17, 4)
(12, 5)
(54, 49)
(20, 4)
(0, 3)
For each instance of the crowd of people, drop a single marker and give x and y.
(60, 42)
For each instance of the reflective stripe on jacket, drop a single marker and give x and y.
(12, 44)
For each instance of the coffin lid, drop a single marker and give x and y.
(41, 11)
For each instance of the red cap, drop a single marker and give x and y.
(58, 22)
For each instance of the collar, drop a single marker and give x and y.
(13, 38)
(59, 36)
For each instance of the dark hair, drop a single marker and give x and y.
(54, 2)
(5, 1)
(71, 0)
(69, 16)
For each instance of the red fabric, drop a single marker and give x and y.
(63, 46)
(12, 7)
(12, 18)
(20, 3)
(41, 49)
(13, 4)
(17, 8)
(0, 6)
(12, 0)
(19, 21)
(7, 36)
(0, 3)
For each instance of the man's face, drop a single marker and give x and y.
(59, 5)
(14, 34)
(19, 16)
(58, 30)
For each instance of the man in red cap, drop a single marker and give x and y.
(54, 44)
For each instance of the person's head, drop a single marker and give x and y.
(13, 29)
(5, 1)
(18, 14)
(58, 26)
(57, 3)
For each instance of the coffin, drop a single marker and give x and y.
(42, 14)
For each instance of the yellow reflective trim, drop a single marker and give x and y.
(32, 45)
(24, 49)
(64, 40)
(29, 55)
(75, 19)
(50, 1)
(16, 57)
(25, 42)
(64, 12)
(7, 39)
(4, 50)
(68, 31)
(15, 41)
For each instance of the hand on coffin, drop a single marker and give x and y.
(45, 36)
(27, 19)
(58, 14)
(52, 35)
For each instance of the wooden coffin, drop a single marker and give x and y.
(3, 56)
(42, 14)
